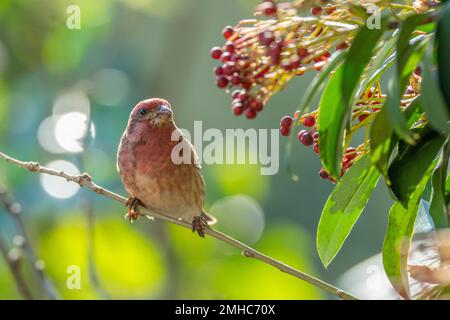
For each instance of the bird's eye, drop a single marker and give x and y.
(142, 112)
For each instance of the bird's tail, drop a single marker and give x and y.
(209, 218)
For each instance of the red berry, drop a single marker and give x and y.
(363, 117)
(316, 136)
(216, 53)
(222, 82)
(237, 108)
(300, 133)
(256, 104)
(229, 47)
(235, 94)
(316, 148)
(242, 95)
(418, 71)
(315, 11)
(229, 68)
(285, 131)
(250, 113)
(350, 153)
(235, 79)
(342, 46)
(302, 52)
(218, 71)
(266, 37)
(306, 139)
(269, 8)
(345, 165)
(226, 56)
(227, 32)
(274, 52)
(286, 122)
(323, 174)
(309, 121)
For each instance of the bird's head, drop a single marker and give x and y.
(155, 112)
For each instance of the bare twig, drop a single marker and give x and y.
(85, 180)
(15, 209)
(12, 259)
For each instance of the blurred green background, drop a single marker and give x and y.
(52, 79)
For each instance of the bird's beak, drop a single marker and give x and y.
(164, 111)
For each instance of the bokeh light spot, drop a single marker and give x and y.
(70, 129)
(240, 216)
(56, 186)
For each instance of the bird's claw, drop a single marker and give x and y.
(199, 224)
(133, 214)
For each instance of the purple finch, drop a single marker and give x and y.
(148, 172)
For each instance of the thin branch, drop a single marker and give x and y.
(13, 262)
(15, 210)
(85, 180)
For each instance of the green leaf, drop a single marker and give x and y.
(404, 49)
(335, 104)
(383, 60)
(408, 168)
(344, 207)
(319, 82)
(357, 59)
(433, 103)
(438, 207)
(447, 192)
(397, 240)
(443, 52)
(311, 93)
(383, 140)
(333, 115)
(409, 54)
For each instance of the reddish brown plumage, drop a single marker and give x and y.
(146, 167)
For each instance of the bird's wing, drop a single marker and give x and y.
(194, 156)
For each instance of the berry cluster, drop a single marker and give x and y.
(310, 137)
(369, 103)
(260, 56)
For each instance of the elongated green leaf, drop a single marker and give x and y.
(407, 170)
(333, 114)
(310, 95)
(443, 53)
(404, 48)
(344, 207)
(383, 140)
(319, 82)
(335, 105)
(383, 60)
(408, 56)
(447, 192)
(433, 103)
(357, 60)
(397, 240)
(438, 207)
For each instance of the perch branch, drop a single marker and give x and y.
(13, 262)
(85, 180)
(15, 210)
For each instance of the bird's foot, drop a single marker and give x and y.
(132, 204)
(199, 224)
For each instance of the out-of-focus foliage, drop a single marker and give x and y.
(127, 263)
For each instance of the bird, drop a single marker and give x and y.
(149, 173)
